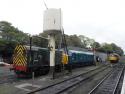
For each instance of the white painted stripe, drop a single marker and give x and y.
(123, 86)
(24, 85)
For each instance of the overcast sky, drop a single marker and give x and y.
(102, 20)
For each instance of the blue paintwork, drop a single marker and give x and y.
(80, 57)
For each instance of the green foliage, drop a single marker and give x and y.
(9, 32)
(96, 45)
(75, 41)
(110, 48)
(86, 42)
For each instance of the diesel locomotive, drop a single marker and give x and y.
(114, 58)
(27, 59)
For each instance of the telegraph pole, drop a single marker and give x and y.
(31, 60)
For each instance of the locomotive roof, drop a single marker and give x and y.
(35, 48)
(83, 52)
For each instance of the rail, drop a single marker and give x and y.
(68, 83)
(109, 83)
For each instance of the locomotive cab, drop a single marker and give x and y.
(25, 60)
(114, 58)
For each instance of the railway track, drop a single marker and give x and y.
(109, 84)
(68, 83)
(6, 77)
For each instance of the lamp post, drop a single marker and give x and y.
(31, 59)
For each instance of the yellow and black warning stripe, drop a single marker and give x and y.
(19, 57)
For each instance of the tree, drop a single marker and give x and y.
(11, 36)
(117, 49)
(83, 40)
(9, 32)
(111, 48)
(96, 46)
(75, 41)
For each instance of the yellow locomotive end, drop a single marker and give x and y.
(113, 58)
(19, 58)
(64, 58)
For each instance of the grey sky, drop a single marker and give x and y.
(102, 20)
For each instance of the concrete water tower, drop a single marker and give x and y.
(52, 21)
(52, 25)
